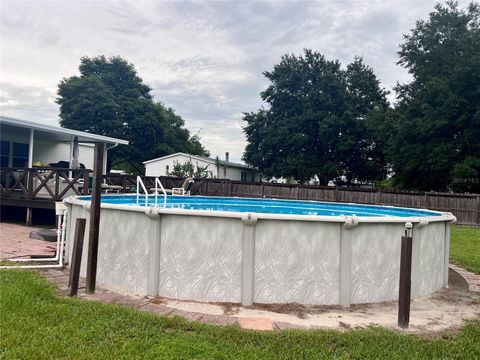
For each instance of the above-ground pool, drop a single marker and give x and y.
(248, 251)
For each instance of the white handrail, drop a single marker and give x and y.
(158, 182)
(140, 182)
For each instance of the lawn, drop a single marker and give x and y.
(465, 248)
(37, 324)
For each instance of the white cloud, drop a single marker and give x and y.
(204, 59)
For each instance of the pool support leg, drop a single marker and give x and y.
(345, 266)
(248, 259)
(154, 251)
(446, 254)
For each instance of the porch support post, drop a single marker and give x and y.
(28, 219)
(95, 218)
(30, 149)
(71, 156)
(104, 167)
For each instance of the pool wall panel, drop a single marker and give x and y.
(375, 262)
(297, 262)
(427, 259)
(201, 258)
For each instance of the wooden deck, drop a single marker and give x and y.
(42, 187)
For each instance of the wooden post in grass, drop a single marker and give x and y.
(94, 218)
(76, 256)
(404, 290)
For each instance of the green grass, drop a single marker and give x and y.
(465, 247)
(37, 324)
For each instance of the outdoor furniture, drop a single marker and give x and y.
(106, 188)
(185, 189)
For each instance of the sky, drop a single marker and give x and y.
(203, 59)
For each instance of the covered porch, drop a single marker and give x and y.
(30, 144)
(42, 164)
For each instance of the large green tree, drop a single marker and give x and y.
(319, 121)
(436, 128)
(109, 98)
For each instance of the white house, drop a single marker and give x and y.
(26, 143)
(221, 169)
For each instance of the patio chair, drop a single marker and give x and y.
(185, 189)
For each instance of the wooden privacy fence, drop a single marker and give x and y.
(466, 207)
(48, 184)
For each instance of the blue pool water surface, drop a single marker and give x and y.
(269, 206)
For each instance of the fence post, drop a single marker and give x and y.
(263, 190)
(76, 256)
(405, 286)
(478, 211)
(95, 218)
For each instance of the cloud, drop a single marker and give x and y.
(204, 59)
(28, 102)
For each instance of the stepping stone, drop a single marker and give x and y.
(45, 235)
(252, 323)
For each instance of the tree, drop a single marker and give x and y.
(317, 121)
(187, 169)
(109, 98)
(436, 142)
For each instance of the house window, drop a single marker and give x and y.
(167, 169)
(4, 153)
(253, 176)
(244, 176)
(20, 155)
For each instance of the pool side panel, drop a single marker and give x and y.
(375, 262)
(201, 258)
(123, 253)
(428, 262)
(297, 262)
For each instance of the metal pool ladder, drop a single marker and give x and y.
(157, 183)
(140, 182)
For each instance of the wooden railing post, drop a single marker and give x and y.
(85, 183)
(57, 186)
(30, 177)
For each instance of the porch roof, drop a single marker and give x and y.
(58, 133)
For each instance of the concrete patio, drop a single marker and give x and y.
(15, 242)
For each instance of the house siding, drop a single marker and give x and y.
(48, 152)
(159, 168)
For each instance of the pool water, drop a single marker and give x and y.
(268, 206)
